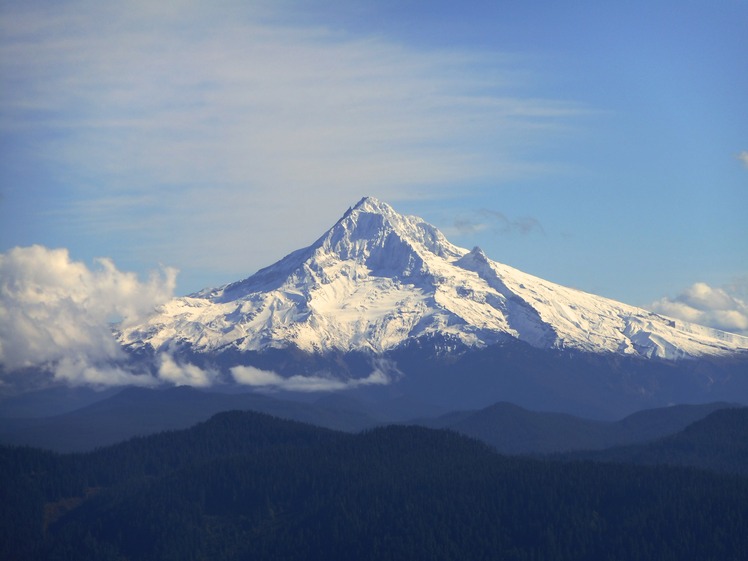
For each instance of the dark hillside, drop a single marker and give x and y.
(511, 429)
(248, 486)
(719, 442)
(139, 411)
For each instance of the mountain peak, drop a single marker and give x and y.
(372, 230)
(370, 205)
(373, 205)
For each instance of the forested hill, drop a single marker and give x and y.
(248, 486)
(719, 442)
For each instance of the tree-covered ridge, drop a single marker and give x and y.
(512, 429)
(248, 486)
(719, 442)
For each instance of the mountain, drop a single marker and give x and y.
(514, 430)
(377, 279)
(51, 401)
(508, 428)
(140, 411)
(384, 304)
(718, 442)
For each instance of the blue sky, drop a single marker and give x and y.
(599, 145)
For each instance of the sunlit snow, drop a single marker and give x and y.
(378, 278)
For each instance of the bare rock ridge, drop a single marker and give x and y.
(378, 279)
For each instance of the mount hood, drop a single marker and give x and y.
(378, 280)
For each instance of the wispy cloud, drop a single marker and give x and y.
(265, 379)
(484, 219)
(743, 157)
(186, 118)
(723, 308)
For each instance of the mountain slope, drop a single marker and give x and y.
(514, 430)
(718, 442)
(510, 429)
(377, 280)
(140, 411)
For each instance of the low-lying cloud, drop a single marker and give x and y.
(184, 374)
(250, 376)
(722, 308)
(86, 370)
(56, 314)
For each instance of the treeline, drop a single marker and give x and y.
(248, 486)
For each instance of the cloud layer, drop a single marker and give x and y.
(722, 308)
(264, 379)
(56, 313)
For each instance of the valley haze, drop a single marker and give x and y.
(383, 305)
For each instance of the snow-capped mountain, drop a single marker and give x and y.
(378, 279)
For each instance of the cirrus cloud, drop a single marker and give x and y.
(485, 219)
(227, 118)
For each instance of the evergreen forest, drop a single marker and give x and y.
(247, 486)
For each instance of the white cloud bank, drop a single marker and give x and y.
(722, 308)
(55, 314)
